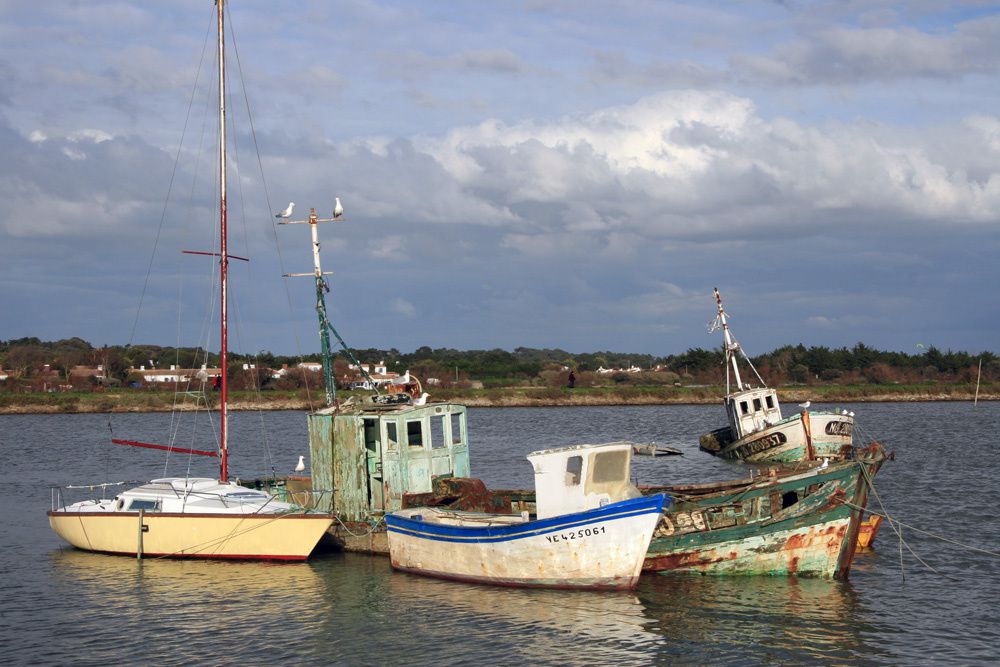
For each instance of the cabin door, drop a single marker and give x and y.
(373, 459)
(440, 442)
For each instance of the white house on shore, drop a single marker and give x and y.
(176, 375)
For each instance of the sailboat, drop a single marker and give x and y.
(195, 517)
(757, 432)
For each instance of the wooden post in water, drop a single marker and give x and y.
(975, 401)
(138, 550)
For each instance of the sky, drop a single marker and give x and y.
(544, 173)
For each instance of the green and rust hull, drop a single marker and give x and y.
(791, 521)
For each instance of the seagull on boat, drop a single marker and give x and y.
(422, 399)
(287, 213)
(826, 462)
(843, 412)
(338, 209)
(301, 465)
(805, 406)
(850, 414)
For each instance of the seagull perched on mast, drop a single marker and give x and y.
(338, 210)
(287, 213)
(804, 406)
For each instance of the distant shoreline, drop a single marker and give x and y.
(151, 401)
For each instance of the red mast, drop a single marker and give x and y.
(223, 252)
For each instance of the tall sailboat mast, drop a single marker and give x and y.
(223, 252)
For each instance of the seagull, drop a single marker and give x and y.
(301, 465)
(338, 209)
(843, 412)
(422, 399)
(850, 414)
(287, 213)
(826, 462)
(804, 406)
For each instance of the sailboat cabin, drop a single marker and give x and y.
(752, 410)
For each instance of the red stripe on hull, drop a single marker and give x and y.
(196, 515)
(146, 554)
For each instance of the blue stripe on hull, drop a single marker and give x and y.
(437, 532)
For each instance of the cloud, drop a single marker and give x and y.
(859, 55)
(418, 65)
(403, 307)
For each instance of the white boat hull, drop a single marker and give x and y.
(570, 551)
(192, 535)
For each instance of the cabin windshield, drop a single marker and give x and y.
(610, 467)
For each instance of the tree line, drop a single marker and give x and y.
(791, 364)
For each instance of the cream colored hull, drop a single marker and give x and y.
(258, 536)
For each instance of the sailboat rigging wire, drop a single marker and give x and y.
(267, 199)
(170, 186)
(251, 374)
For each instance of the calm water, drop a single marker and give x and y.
(65, 606)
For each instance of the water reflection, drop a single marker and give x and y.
(787, 618)
(549, 626)
(177, 609)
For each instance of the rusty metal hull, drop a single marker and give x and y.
(794, 522)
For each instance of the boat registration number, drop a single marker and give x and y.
(575, 534)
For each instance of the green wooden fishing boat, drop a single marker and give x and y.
(801, 520)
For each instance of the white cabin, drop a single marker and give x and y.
(752, 410)
(580, 478)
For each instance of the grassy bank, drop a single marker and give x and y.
(161, 401)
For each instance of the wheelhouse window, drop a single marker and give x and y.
(437, 432)
(574, 467)
(744, 407)
(456, 428)
(415, 433)
(770, 402)
(610, 467)
(757, 406)
(390, 433)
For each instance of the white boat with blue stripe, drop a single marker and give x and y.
(591, 529)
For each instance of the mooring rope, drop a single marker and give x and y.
(371, 529)
(892, 521)
(897, 527)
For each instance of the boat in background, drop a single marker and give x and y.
(789, 520)
(591, 529)
(195, 517)
(869, 529)
(757, 432)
